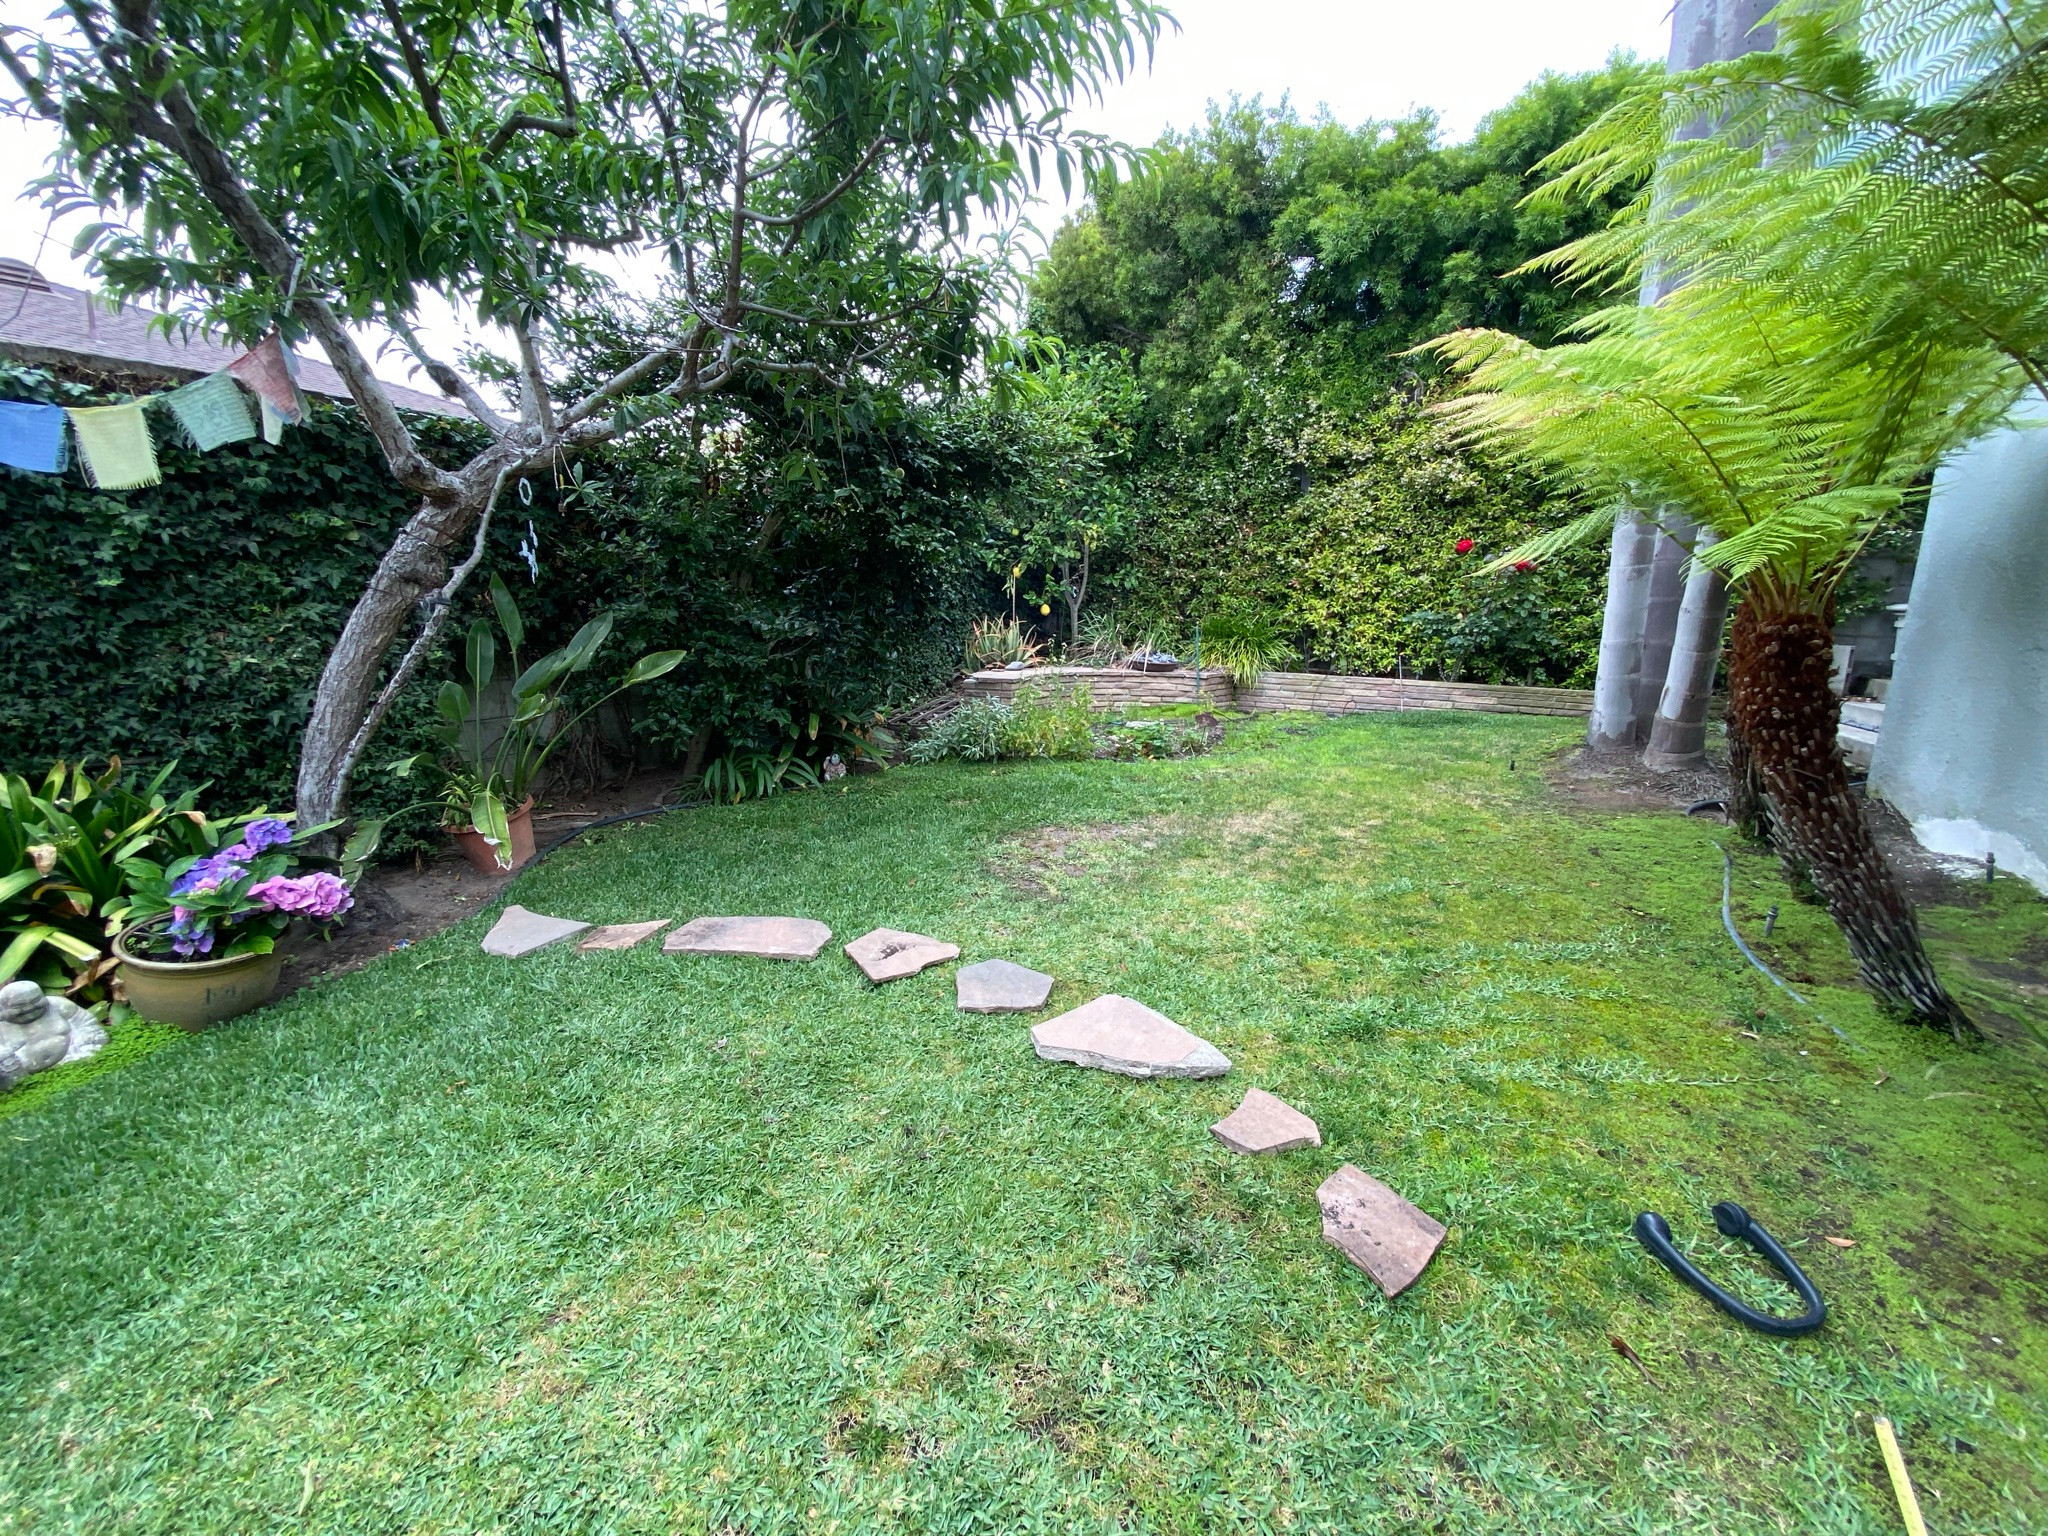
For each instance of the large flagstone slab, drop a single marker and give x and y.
(887, 954)
(1376, 1229)
(520, 932)
(624, 935)
(1000, 986)
(772, 938)
(1120, 1034)
(1263, 1123)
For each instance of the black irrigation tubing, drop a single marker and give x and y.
(1728, 922)
(612, 821)
(1654, 1233)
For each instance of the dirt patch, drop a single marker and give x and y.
(1618, 781)
(1040, 862)
(399, 904)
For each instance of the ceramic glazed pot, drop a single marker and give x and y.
(483, 858)
(196, 994)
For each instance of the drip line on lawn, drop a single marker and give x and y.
(1728, 922)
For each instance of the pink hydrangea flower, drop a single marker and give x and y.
(318, 895)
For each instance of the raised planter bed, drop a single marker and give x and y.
(1328, 692)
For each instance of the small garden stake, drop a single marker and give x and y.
(1902, 1485)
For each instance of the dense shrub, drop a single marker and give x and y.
(1037, 723)
(1361, 570)
(813, 578)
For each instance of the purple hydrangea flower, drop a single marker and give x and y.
(266, 832)
(319, 895)
(211, 873)
(190, 933)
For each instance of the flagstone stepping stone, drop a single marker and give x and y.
(772, 938)
(520, 932)
(1120, 1034)
(1000, 986)
(1376, 1229)
(1263, 1123)
(886, 954)
(623, 935)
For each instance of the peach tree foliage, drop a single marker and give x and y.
(799, 169)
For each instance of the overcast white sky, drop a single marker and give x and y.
(1360, 58)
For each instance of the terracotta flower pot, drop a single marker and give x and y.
(196, 994)
(483, 857)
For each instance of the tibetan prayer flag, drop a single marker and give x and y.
(212, 412)
(268, 373)
(273, 424)
(114, 445)
(32, 436)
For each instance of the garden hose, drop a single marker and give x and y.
(1654, 1233)
(611, 821)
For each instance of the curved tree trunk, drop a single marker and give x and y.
(1787, 715)
(411, 571)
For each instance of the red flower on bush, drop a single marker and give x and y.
(1525, 565)
(1464, 546)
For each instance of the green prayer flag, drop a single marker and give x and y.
(212, 412)
(114, 445)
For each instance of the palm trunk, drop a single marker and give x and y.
(1787, 715)
(1678, 737)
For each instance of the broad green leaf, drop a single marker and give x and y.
(508, 615)
(482, 654)
(660, 664)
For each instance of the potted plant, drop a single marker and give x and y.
(200, 943)
(486, 781)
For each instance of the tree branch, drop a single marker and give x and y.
(416, 66)
(535, 409)
(521, 122)
(210, 166)
(826, 199)
(446, 379)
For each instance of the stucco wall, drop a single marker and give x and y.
(1964, 752)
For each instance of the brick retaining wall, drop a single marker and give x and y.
(1328, 692)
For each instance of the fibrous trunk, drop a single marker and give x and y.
(1786, 716)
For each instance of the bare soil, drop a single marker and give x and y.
(401, 903)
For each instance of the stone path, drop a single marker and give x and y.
(1000, 986)
(1376, 1229)
(1372, 1226)
(888, 954)
(1118, 1034)
(1263, 1123)
(623, 935)
(520, 932)
(772, 938)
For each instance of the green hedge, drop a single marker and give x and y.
(188, 621)
(1345, 534)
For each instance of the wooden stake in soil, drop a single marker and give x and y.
(1902, 1485)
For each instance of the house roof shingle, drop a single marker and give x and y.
(47, 323)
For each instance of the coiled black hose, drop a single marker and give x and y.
(1654, 1233)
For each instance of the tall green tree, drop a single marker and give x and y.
(1860, 227)
(1261, 242)
(798, 165)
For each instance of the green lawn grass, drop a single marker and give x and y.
(643, 1243)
